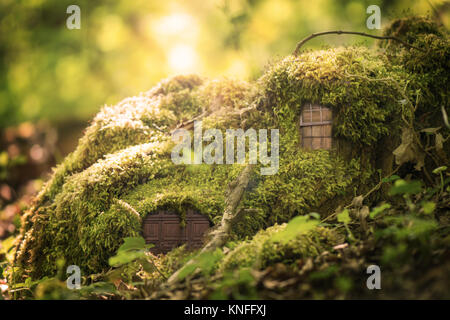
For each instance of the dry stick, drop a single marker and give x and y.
(189, 122)
(230, 213)
(339, 32)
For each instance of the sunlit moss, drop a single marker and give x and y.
(262, 251)
(348, 80)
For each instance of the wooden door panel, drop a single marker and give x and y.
(151, 231)
(164, 231)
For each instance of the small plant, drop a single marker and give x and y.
(205, 261)
(344, 217)
(440, 171)
(134, 250)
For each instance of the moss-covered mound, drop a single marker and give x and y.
(121, 170)
(428, 68)
(264, 249)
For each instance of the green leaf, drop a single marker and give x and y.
(377, 210)
(428, 207)
(205, 261)
(133, 248)
(297, 226)
(390, 179)
(404, 187)
(344, 217)
(125, 257)
(187, 270)
(314, 215)
(132, 243)
(440, 169)
(147, 266)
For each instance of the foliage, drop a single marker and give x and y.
(345, 79)
(205, 261)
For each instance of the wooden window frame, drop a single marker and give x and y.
(322, 123)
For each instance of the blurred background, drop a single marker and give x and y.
(53, 80)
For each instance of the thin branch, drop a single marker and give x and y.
(339, 32)
(190, 123)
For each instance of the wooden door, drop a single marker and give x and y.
(163, 229)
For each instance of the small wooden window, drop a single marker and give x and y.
(315, 124)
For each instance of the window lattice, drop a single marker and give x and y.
(315, 124)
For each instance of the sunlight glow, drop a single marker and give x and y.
(183, 59)
(178, 25)
(177, 33)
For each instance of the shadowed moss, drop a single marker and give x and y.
(428, 68)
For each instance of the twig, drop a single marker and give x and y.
(339, 32)
(189, 122)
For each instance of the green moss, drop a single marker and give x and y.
(311, 244)
(89, 205)
(305, 181)
(344, 79)
(428, 68)
(262, 250)
(77, 223)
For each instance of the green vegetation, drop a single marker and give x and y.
(303, 218)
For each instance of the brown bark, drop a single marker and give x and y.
(339, 32)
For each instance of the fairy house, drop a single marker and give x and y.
(340, 114)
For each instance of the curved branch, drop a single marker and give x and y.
(301, 43)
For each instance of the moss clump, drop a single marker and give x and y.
(308, 245)
(428, 68)
(305, 182)
(263, 250)
(348, 80)
(82, 214)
